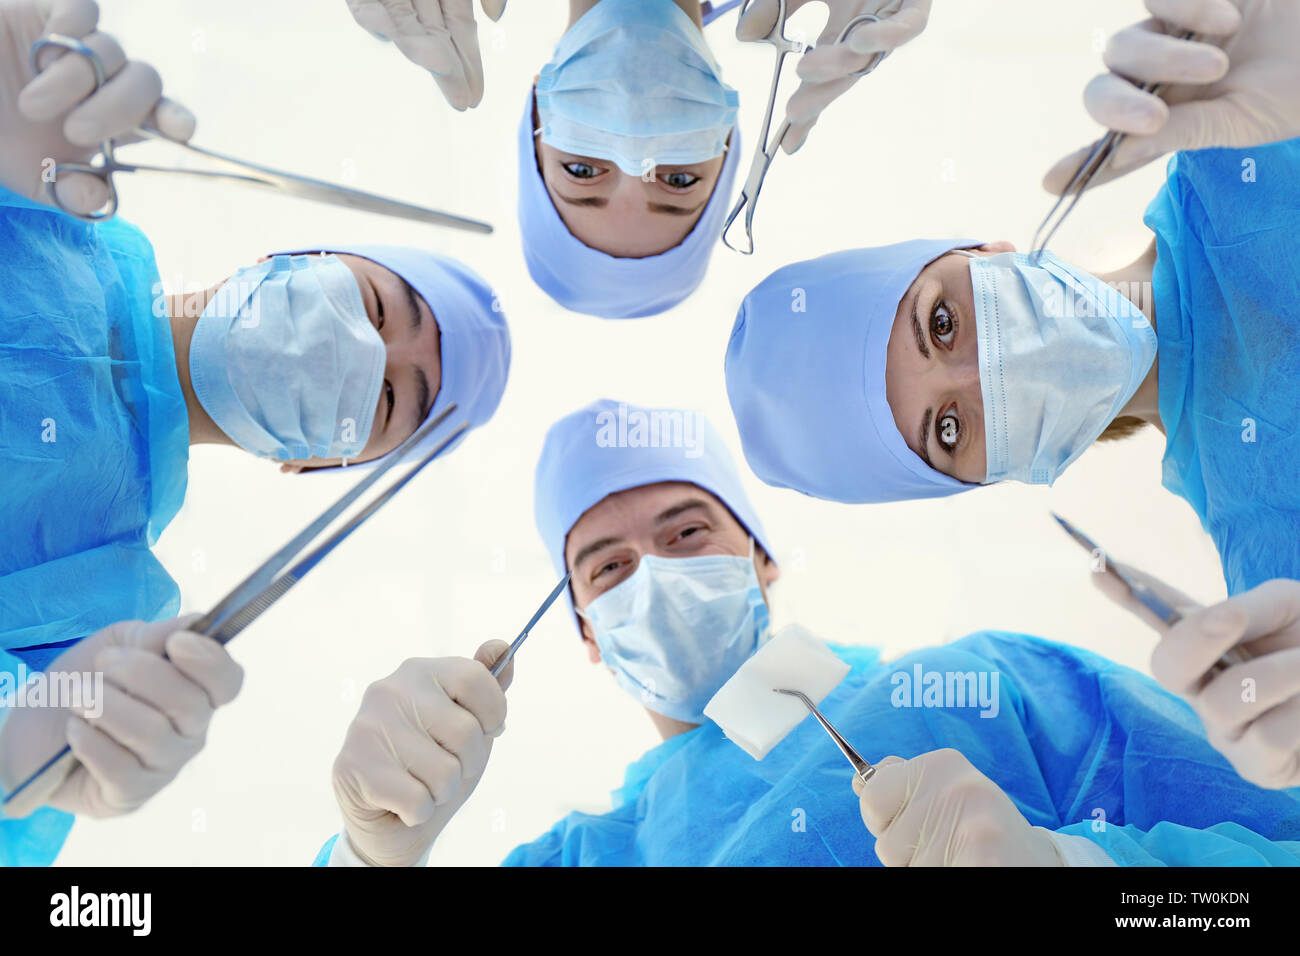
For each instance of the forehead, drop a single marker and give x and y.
(634, 510)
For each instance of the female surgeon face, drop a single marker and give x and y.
(629, 217)
(413, 370)
(932, 373)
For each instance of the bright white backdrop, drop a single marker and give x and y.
(951, 136)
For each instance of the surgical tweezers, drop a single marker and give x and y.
(518, 642)
(1144, 594)
(765, 151)
(863, 769)
(242, 172)
(1092, 164)
(255, 594)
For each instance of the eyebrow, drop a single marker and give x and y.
(424, 403)
(916, 328)
(671, 210)
(924, 442)
(668, 514)
(599, 202)
(413, 300)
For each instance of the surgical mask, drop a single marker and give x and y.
(634, 82)
(1060, 353)
(286, 362)
(678, 628)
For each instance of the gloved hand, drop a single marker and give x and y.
(1238, 88)
(938, 810)
(1258, 731)
(415, 752)
(53, 116)
(827, 71)
(153, 717)
(439, 35)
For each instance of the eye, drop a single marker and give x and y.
(392, 399)
(581, 170)
(611, 567)
(943, 327)
(379, 308)
(680, 179)
(948, 430)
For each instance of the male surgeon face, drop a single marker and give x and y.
(932, 373)
(670, 519)
(629, 217)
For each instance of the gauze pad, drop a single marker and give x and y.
(747, 707)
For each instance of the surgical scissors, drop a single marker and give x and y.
(246, 173)
(863, 769)
(765, 151)
(1144, 594)
(256, 593)
(1092, 164)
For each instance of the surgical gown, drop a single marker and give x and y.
(1081, 745)
(1227, 283)
(94, 440)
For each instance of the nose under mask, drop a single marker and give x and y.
(634, 82)
(286, 362)
(1060, 354)
(677, 629)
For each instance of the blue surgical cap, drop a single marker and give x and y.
(475, 340)
(806, 376)
(587, 280)
(613, 446)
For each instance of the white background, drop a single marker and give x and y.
(950, 137)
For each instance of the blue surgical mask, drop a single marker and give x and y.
(286, 362)
(678, 628)
(634, 82)
(1060, 354)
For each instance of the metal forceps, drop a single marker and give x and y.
(861, 768)
(1145, 595)
(241, 171)
(518, 642)
(765, 151)
(261, 589)
(1092, 164)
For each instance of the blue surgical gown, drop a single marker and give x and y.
(1081, 745)
(94, 441)
(1227, 285)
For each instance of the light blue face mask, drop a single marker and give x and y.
(286, 361)
(1060, 354)
(634, 82)
(678, 628)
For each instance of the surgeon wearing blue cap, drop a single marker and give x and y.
(311, 359)
(627, 151)
(672, 578)
(929, 368)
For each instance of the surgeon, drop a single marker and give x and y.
(929, 368)
(628, 144)
(673, 576)
(312, 358)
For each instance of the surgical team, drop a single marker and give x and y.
(923, 368)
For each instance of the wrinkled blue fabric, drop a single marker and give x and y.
(1075, 735)
(1226, 282)
(94, 441)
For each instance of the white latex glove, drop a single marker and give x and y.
(1239, 88)
(155, 715)
(415, 752)
(827, 71)
(54, 117)
(439, 35)
(938, 810)
(1255, 725)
